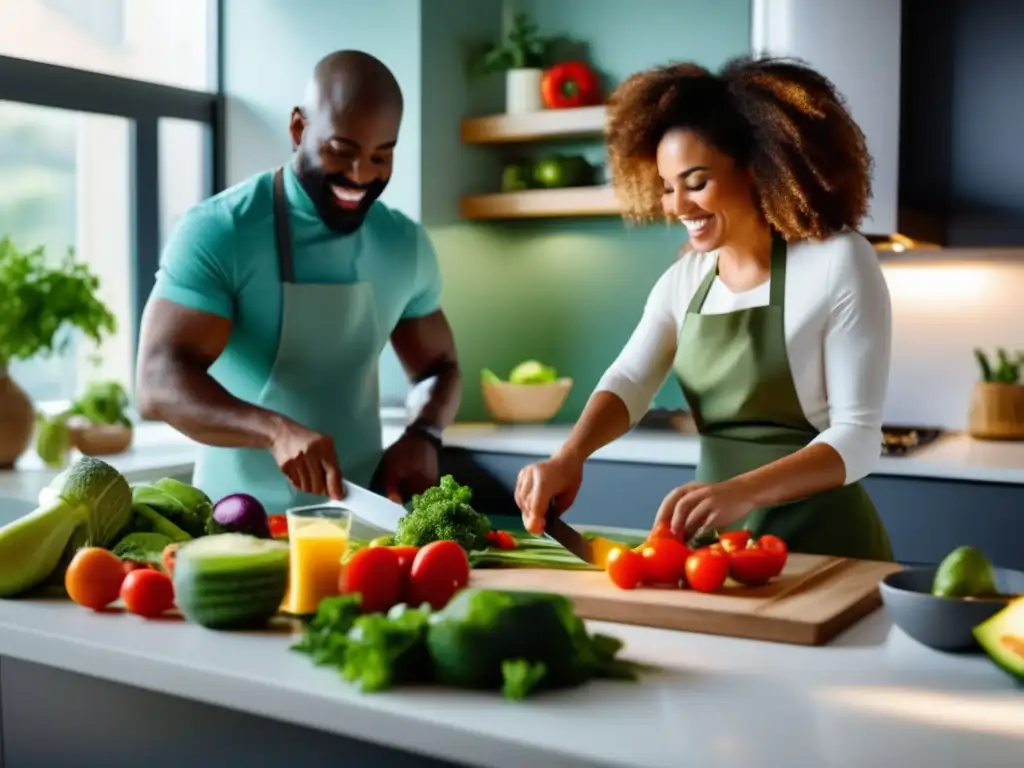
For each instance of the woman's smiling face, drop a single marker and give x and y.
(705, 190)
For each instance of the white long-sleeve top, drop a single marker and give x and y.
(838, 327)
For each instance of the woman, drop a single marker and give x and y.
(777, 324)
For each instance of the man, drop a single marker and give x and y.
(275, 298)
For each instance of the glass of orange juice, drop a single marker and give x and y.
(318, 536)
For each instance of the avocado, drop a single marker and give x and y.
(1002, 638)
(965, 572)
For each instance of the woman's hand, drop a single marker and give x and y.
(695, 507)
(547, 485)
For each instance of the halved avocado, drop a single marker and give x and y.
(1002, 638)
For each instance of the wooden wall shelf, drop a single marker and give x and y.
(534, 126)
(542, 204)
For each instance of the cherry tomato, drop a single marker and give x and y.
(278, 526)
(733, 540)
(376, 574)
(147, 592)
(664, 561)
(93, 577)
(501, 539)
(707, 569)
(625, 568)
(772, 544)
(439, 570)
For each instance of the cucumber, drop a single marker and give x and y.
(230, 580)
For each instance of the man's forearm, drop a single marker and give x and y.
(193, 402)
(445, 396)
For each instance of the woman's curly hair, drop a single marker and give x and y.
(777, 117)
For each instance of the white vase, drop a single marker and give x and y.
(522, 91)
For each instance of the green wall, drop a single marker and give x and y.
(569, 291)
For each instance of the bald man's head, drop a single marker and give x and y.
(345, 133)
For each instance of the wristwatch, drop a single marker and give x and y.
(431, 433)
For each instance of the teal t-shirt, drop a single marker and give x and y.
(221, 258)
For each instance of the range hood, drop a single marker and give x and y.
(857, 45)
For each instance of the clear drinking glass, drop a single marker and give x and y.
(318, 536)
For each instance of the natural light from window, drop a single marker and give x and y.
(67, 175)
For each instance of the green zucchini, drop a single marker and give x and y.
(231, 580)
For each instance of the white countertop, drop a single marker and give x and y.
(160, 451)
(873, 697)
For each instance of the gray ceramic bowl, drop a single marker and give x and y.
(942, 623)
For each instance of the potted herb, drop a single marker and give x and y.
(39, 304)
(96, 423)
(997, 401)
(522, 56)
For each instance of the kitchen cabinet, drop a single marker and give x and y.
(926, 518)
(52, 717)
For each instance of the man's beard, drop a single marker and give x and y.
(321, 188)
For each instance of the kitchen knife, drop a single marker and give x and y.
(370, 507)
(594, 550)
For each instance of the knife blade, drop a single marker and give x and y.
(370, 507)
(594, 550)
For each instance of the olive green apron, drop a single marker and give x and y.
(734, 372)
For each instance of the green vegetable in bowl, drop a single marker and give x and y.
(532, 372)
(87, 504)
(443, 513)
(103, 402)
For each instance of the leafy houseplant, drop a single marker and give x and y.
(522, 56)
(997, 401)
(39, 304)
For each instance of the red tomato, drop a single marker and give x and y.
(772, 544)
(501, 539)
(439, 570)
(376, 574)
(733, 540)
(754, 567)
(147, 592)
(660, 531)
(278, 526)
(625, 568)
(406, 555)
(707, 569)
(664, 561)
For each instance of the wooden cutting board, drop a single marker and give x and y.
(810, 602)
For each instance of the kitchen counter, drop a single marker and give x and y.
(872, 698)
(160, 451)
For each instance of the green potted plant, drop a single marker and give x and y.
(522, 56)
(997, 400)
(39, 303)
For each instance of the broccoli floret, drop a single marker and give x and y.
(443, 513)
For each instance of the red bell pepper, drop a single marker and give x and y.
(278, 526)
(570, 84)
(501, 539)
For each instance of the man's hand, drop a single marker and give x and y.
(308, 460)
(409, 466)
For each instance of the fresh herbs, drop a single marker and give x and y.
(515, 642)
(522, 48)
(1006, 371)
(38, 300)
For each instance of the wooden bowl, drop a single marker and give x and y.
(100, 439)
(996, 412)
(525, 403)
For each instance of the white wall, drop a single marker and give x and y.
(943, 308)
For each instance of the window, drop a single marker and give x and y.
(110, 129)
(159, 41)
(66, 185)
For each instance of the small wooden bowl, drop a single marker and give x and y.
(996, 412)
(525, 403)
(100, 439)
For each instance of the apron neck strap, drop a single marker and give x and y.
(777, 275)
(777, 289)
(282, 229)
